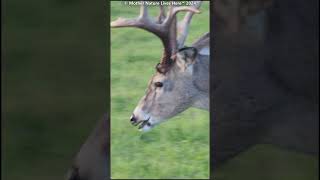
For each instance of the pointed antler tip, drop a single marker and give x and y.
(195, 10)
(119, 22)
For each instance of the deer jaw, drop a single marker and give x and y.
(160, 104)
(180, 90)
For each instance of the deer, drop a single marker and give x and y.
(182, 76)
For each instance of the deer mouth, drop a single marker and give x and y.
(143, 124)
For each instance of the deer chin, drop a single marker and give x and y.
(144, 125)
(145, 128)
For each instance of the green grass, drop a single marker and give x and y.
(178, 148)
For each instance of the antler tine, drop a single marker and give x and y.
(170, 23)
(135, 22)
(164, 28)
(143, 11)
(161, 15)
(122, 22)
(174, 10)
(183, 27)
(143, 22)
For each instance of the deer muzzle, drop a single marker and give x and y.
(144, 124)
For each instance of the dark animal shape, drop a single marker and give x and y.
(92, 161)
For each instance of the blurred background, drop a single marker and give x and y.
(178, 148)
(266, 82)
(54, 83)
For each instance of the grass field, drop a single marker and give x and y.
(178, 148)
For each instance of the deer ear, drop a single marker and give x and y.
(186, 58)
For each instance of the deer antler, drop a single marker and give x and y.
(183, 27)
(164, 28)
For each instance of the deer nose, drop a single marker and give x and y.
(132, 119)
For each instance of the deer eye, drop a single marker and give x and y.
(158, 84)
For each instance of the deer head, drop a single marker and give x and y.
(172, 89)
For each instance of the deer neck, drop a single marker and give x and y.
(201, 101)
(201, 82)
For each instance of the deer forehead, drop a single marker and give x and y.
(159, 77)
